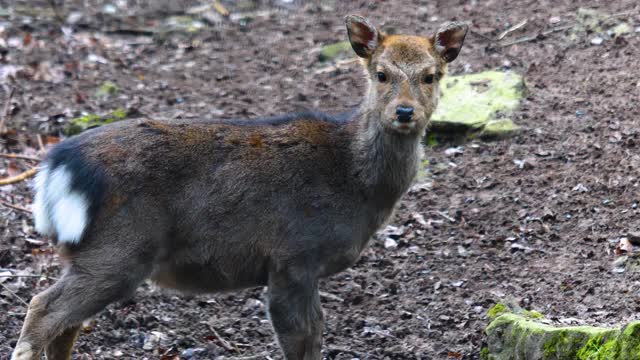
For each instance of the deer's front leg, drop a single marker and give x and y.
(296, 315)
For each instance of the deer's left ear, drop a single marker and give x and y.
(449, 39)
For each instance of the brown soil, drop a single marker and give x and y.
(502, 220)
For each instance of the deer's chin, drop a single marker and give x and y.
(402, 128)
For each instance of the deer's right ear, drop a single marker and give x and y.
(363, 36)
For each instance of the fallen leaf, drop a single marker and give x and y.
(624, 246)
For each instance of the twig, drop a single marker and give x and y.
(20, 177)
(131, 32)
(624, 13)
(15, 207)
(513, 28)
(446, 216)
(337, 350)
(339, 64)
(40, 143)
(18, 156)
(14, 294)
(220, 8)
(537, 36)
(28, 276)
(5, 112)
(250, 357)
(483, 36)
(330, 296)
(225, 344)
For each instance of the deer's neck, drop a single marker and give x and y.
(385, 162)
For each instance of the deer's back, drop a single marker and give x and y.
(225, 198)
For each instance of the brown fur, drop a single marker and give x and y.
(212, 206)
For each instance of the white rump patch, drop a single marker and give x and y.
(57, 209)
(43, 224)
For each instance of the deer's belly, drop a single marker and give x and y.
(210, 277)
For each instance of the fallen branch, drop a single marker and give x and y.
(28, 276)
(131, 32)
(330, 296)
(537, 36)
(20, 177)
(444, 215)
(220, 8)
(513, 28)
(338, 65)
(14, 294)
(264, 355)
(224, 343)
(15, 207)
(621, 14)
(18, 156)
(40, 143)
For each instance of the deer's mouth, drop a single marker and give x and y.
(403, 127)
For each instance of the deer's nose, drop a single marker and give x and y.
(404, 113)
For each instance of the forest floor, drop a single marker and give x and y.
(538, 219)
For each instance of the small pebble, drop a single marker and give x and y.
(389, 243)
(109, 9)
(597, 40)
(554, 19)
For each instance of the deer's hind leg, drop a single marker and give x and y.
(61, 346)
(106, 266)
(54, 315)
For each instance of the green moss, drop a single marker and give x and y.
(597, 21)
(484, 353)
(497, 310)
(107, 89)
(431, 139)
(82, 123)
(499, 129)
(182, 23)
(589, 20)
(532, 314)
(591, 349)
(629, 345)
(621, 29)
(119, 114)
(335, 50)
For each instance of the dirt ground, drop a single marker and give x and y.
(534, 219)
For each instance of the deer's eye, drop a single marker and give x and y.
(382, 77)
(428, 79)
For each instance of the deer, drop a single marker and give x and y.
(207, 206)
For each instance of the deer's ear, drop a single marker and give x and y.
(449, 39)
(363, 36)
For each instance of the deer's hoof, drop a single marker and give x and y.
(23, 351)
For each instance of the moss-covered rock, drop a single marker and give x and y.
(499, 129)
(590, 21)
(525, 336)
(82, 123)
(478, 104)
